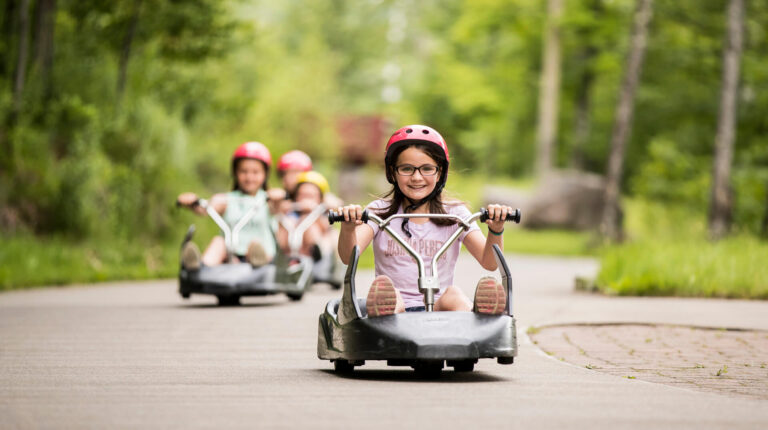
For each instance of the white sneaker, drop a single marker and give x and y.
(256, 255)
(190, 256)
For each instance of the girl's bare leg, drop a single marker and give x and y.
(312, 236)
(216, 252)
(453, 299)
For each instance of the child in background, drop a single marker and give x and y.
(256, 243)
(289, 167)
(310, 189)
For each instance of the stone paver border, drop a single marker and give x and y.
(723, 360)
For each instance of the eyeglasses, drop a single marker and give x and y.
(425, 170)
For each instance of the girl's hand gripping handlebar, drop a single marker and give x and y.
(334, 216)
(513, 216)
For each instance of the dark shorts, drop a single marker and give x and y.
(416, 309)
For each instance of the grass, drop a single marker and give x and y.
(732, 268)
(28, 261)
(667, 254)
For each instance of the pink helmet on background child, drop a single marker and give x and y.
(294, 160)
(252, 150)
(255, 150)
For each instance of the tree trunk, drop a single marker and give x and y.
(8, 34)
(23, 54)
(45, 26)
(583, 120)
(720, 208)
(550, 88)
(125, 55)
(611, 226)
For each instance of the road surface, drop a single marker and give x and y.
(135, 355)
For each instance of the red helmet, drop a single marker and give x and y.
(253, 150)
(417, 133)
(295, 159)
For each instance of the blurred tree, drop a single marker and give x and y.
(587, 53)
(612, 224)
(21, 56)
(45, 25)
(549, 91)
(721, 207)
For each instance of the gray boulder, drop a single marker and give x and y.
(563, 199)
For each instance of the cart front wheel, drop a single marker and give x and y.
(229, 300)
(343, 366)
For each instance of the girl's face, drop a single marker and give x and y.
(250, 175)
(289, 178)
(309, 193)
(418, 185)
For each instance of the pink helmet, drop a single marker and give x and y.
(296, 160)
(255, 150)
(411, 134)
(416, 133)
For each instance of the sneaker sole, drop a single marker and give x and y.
(256, 255)
(490, 297)
(382, 298)
(190, 257)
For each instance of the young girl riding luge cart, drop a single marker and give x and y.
(416, 164)
(251, 162)
(410, 225)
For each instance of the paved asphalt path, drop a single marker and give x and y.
(135, 355)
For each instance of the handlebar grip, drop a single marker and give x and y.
(194, 204)
(513, 216)
(334, 216)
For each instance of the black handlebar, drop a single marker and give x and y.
(339, 217)
(192, 206)
(512, 216)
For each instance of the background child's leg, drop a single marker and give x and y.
(312, 236)
(216, 252)
(453, 299)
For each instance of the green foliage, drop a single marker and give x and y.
(86, 155)
(30, 260)
(732, 268)
(668, 255)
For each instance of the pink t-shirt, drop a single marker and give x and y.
(426, 239)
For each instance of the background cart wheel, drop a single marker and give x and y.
(228, 300)
(428, 369)
(463, 366)
(343, 366)
(295, 297)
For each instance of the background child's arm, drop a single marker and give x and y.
(219, 202)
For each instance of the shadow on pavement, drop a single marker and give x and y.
(408, 375)
(216, 306)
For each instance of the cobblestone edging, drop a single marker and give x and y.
(726, 361)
